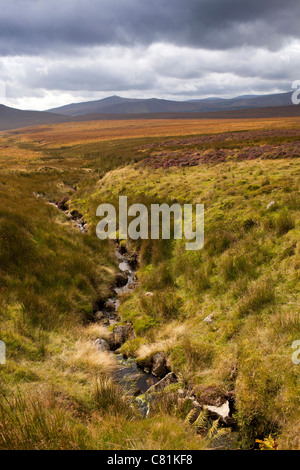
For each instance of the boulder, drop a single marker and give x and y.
(159, 368)
(162, 384)
(102, 344)
(121, 334)
(218, 411)
(222, 413)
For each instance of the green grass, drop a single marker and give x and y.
(54, 393)
(246, 276)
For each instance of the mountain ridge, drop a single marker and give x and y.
(117, 108)
(119, 105)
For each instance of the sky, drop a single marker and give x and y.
(54, 52)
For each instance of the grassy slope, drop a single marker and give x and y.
(247, 276)
(55, 391)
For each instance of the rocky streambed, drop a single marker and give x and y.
(143, 384)
(129, 375)
(134, 379)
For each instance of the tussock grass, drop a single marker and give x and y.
(39, 421)
(95, 331)
(110, 398)
(86, 356)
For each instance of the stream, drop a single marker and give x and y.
(132, 378)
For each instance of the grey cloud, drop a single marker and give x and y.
(34, 26)
(161, 68)
(53, 51)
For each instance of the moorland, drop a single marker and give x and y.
(57, 389)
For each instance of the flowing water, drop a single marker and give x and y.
(129, 375)
(134, 379)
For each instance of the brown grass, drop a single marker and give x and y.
(86, 356)
(97, 131)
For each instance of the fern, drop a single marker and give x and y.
(268, 443)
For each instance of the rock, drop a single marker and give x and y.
(62, 205)
(143, 406)
(110, 306)
(149, 294)
(99, 316)
(159, 368)
(272, 203)
(222, 413)
(162, 384)
(209, 319)
(168, 363)
(102, 345)
(102, 317)
(121, 334)
(111, 342)
(121, 280)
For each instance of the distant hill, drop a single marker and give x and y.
(118, 105)
(11, 118)
(270, 106)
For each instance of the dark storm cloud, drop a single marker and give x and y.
(34, 26)
(56, 51)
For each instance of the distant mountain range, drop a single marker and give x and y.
(115, 107)
(118, 105)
